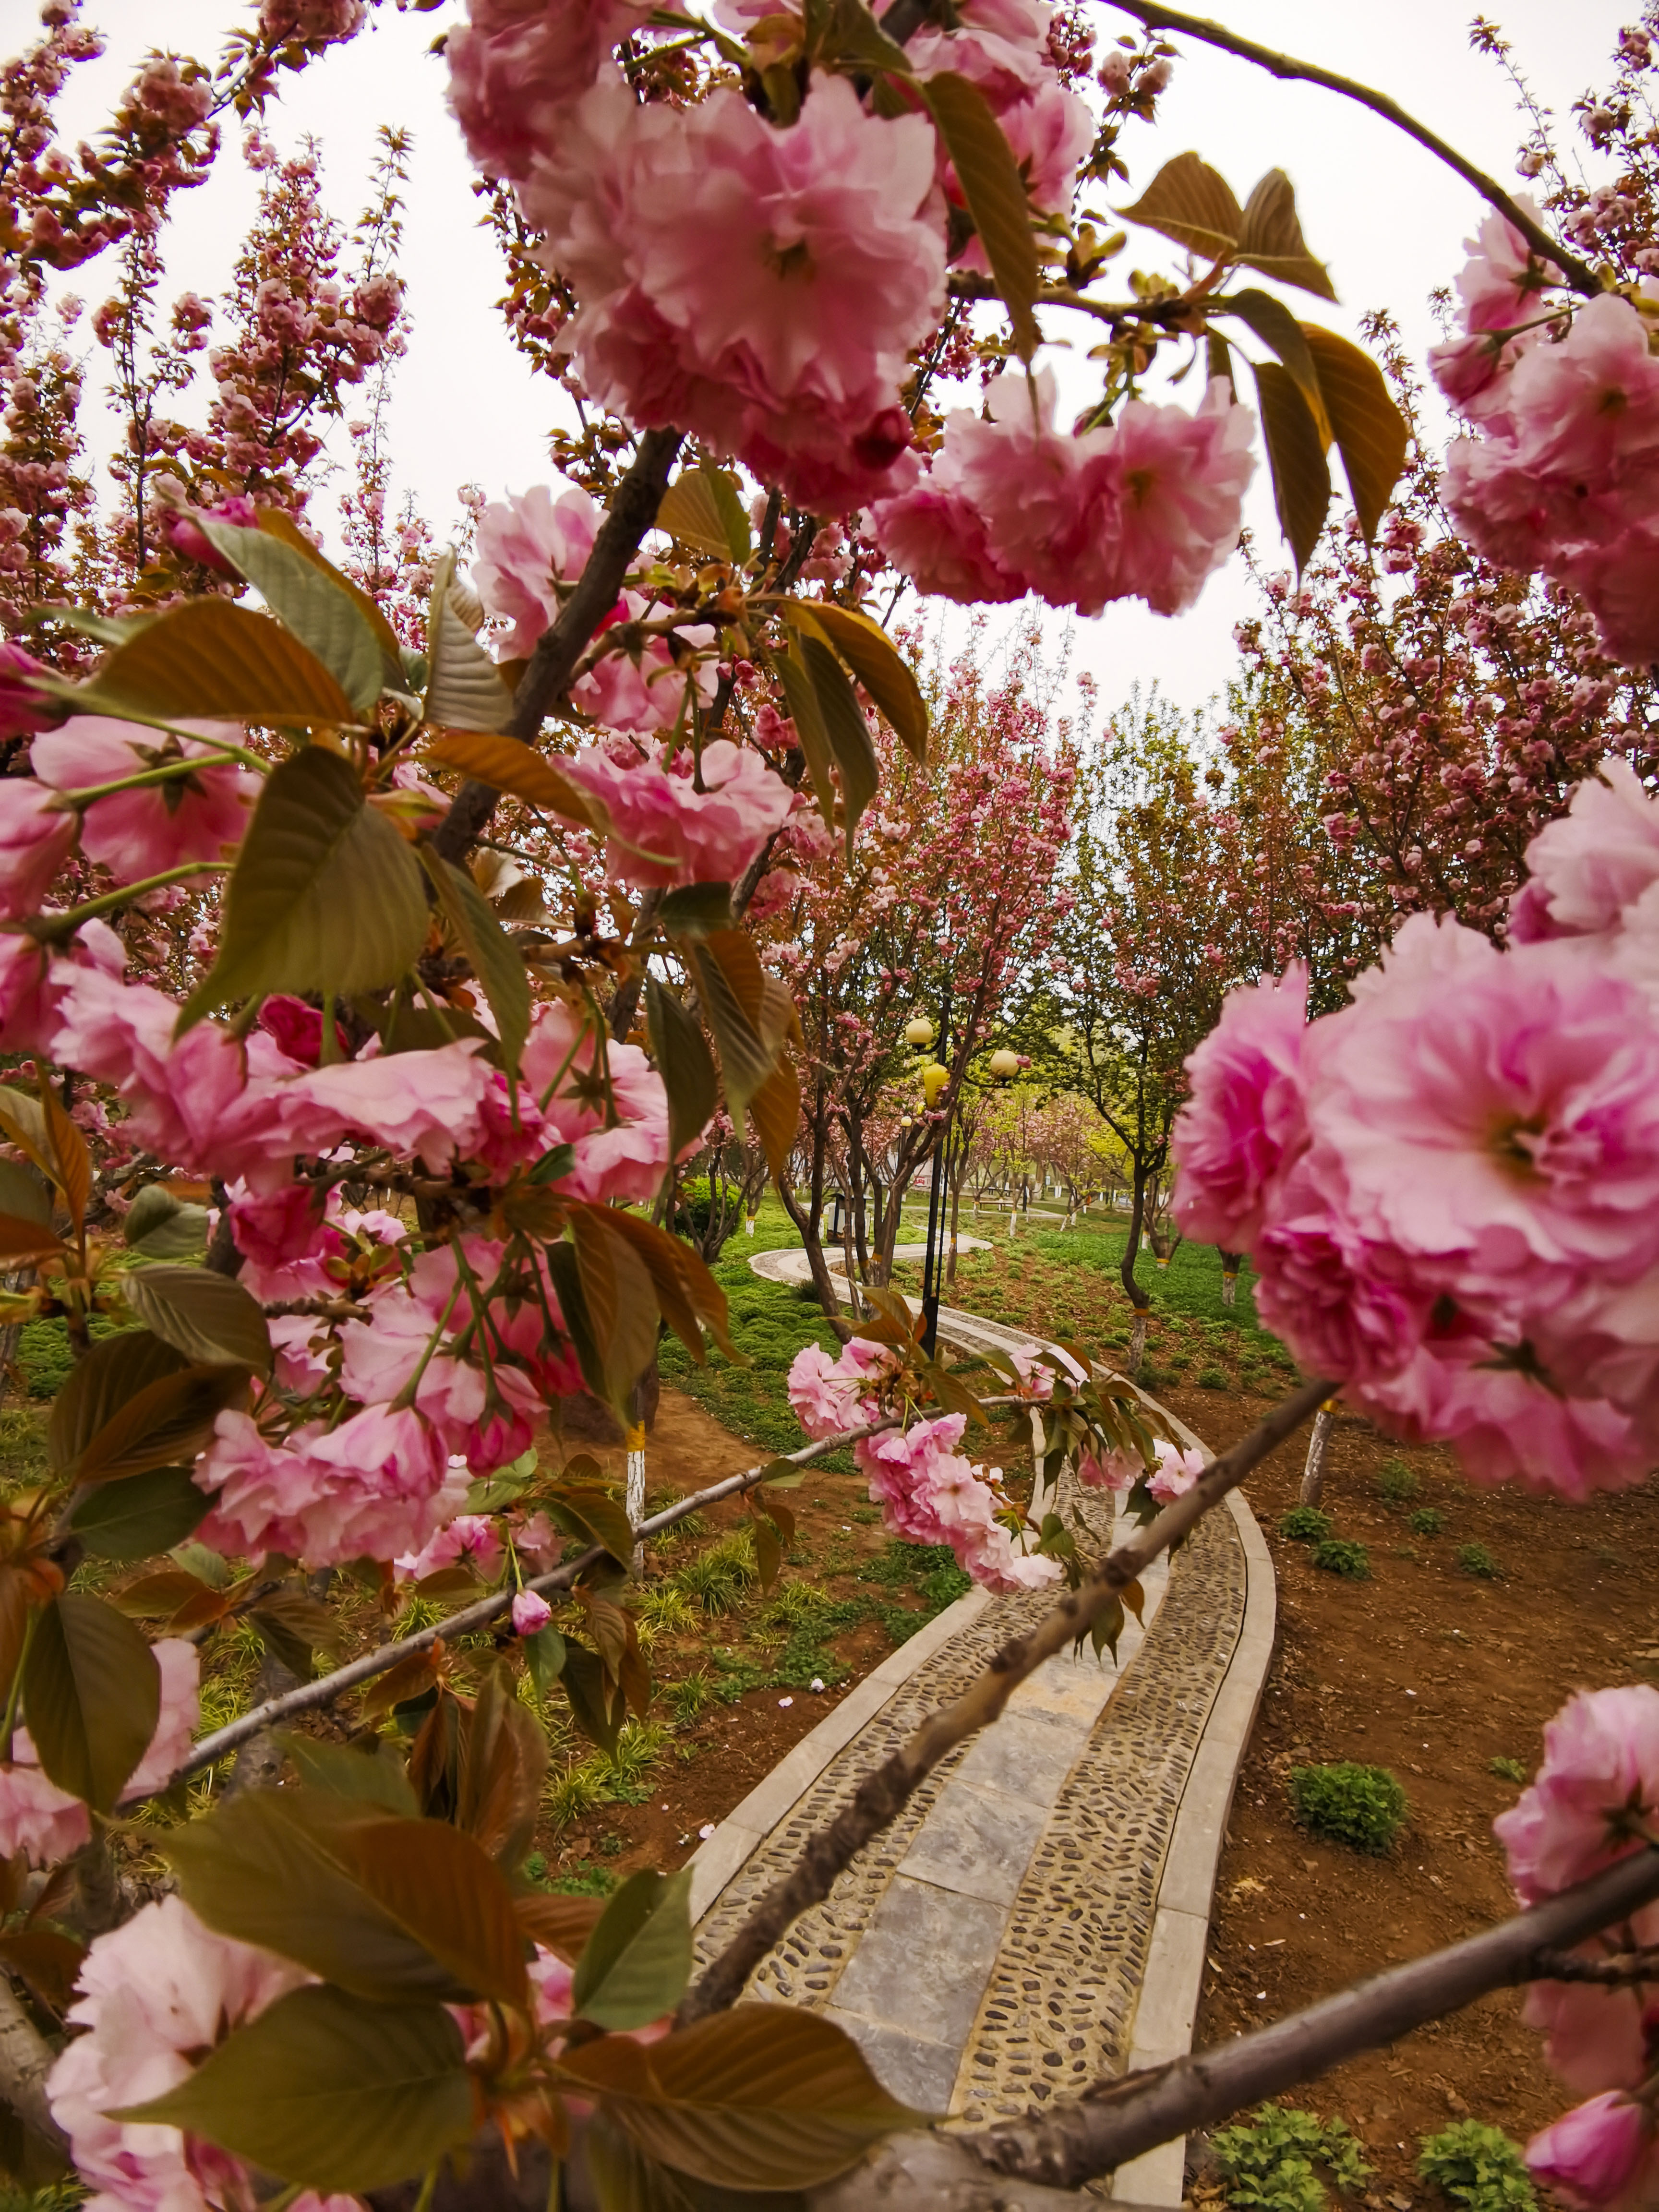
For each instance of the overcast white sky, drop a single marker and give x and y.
(1387, 218)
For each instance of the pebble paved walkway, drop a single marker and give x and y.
(1035, 1916)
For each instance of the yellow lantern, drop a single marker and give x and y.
(1004, 1064)
(918, 1032)
(933, 1080)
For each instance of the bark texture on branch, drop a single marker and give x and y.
(26, 2059)
(633, 510)
(1119, 2120)
(881, 1795)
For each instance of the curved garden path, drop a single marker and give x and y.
(1037, 1916)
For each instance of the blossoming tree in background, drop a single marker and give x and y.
(363, 982)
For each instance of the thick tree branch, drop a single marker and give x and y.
(1579, 274)
(880, 1796)
(26, 2059)
(632, 512)
(1119, 2120)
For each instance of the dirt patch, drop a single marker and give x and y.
(1432, 1672)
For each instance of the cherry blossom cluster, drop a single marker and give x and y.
(1560, 478)
(1594, 1800)
(929, 1492)
(758, 278)
(1448, 1185)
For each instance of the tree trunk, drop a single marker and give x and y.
(1138, 1297)
(806, 1221)
(1319, 1443)
(956, 1216)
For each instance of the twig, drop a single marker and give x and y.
(1120, 2120)
(1622, 1970)
(327, 1688)
(880, 1796)
(633, 511)
(1579, 274)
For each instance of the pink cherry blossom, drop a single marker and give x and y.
(1178, 1472)
(515, 64)
(663, 829)
(824, 1399)
(22, 709)
(182, 527)
(624, 1161)
(1598, 2038)
(136, 834)
(1244, 1120)
(645, 687)
(298, 1029)
(377, 1484)
(1110, 1470)
(432, 1104)
(759, 287)
(470, 1539)
(36, 838)
(531, 1614)
(1600, 2154)
(1501, 286)
(1146, 509)
(1601, 1771)
(275, 1229)
(156, 1993)
(1595, 860)
(995, 1561)
(527, 543)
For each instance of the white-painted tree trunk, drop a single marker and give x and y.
(634, 1494)
(1318, 1440)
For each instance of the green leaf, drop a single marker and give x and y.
(851, 33)
(320, 615)
(210, 659)
(995, 193)
(626, 2180)
(1191, 203)
(703, 507)
(146, 1513)
(638, 1959)
(113, 1372)
(847, 732)
(761, 2097)
(508, 764)
(329, 2092)
(92, 1696)
(751, 1012)
(802, 701)
(465, 690)
(275, 523)
(1295, 454)
(1270, 238)
(685, 1063)
(392, 1910)
(208, 1317)
(161, 1226)
(325, 896)
(686, 1294)
(619, 1307)
(167, 1422)
(597, 1707)
(592, 1516)
(879, 666)
(1272, 321)
(26, 1198)
(543, 1654)
(694, 910)
(490, 952)
(366, 1771)
(1372, 434)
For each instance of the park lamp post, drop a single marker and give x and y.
(935, 1080)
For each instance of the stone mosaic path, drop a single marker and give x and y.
(1037, 1916)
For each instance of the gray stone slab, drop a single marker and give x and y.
(977, 1842)
(918, 2073)
(1027, 1756)
(922, 1964)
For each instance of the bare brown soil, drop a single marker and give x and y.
(1432, 1673)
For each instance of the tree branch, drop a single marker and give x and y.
(26, 2059)
(1579, 274)
(881, 1795)
(310, 1696)
(632, 512)
(1119, 2120)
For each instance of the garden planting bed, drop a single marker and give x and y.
(1451, 1657)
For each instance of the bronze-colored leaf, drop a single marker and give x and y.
(995, 193)
(1295, 454)
(92, 1696)
(1194, 204)
(211, 659)
(1271, 239)
(880, 668)
(560, 1925)
(1372, 434)
(508, 764)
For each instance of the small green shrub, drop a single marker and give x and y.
(1507, 1770)
(687, 1697)
(1306, 1525)
(1340, 1555)
(1478, 2167)
(1396, 1482)
(1363, 1806)
(1475, 1559)
(1212, 1378)
(1270, 2165)
(1427, 1521)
